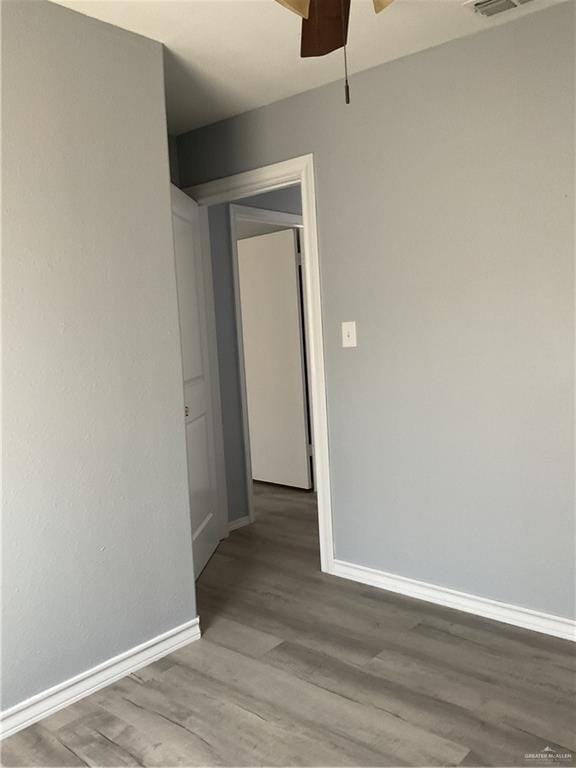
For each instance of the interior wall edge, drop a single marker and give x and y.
(516, 615)
(51, 700)
(95, 488)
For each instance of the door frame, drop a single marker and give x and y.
(298, 170)
(263, 216)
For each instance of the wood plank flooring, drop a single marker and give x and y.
(296, 668)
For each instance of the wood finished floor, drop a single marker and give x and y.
(296, 668)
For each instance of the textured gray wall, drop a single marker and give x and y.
(445, 196)
(287, 200)
(97, 551)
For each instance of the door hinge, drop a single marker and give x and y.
(298, 249)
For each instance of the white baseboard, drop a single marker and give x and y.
(62, 695)
(239, 523)
(526, 618)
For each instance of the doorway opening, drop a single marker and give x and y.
(274, 293)
(271, 335)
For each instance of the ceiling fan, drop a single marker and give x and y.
(325, 27)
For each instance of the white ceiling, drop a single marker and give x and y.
(225, 57)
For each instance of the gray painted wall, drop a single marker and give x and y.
(95, 529)
(445, 197)
(173, 160)
(228, 361)
(287, 200)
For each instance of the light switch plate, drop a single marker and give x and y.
(349, 333)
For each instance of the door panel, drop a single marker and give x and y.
(199, 474)
(198, 406)
(273, 358)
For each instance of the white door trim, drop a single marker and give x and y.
(299, 170)
(264, 216)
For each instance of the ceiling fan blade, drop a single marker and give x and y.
(379, 5)
(326, 28)
(301, 7)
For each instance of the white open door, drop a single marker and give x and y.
(198, 391)
(272, 335)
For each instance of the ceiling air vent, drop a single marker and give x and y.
(492, 7)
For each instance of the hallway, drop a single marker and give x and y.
(299, 668)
